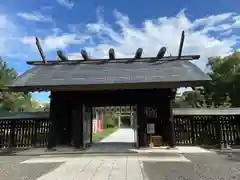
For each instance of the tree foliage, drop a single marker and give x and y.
(9, 101)
(222, 91)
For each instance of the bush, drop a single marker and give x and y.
(109, 121)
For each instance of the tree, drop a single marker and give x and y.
(190, 99)
(9, 101)
(224, 88)
(222, 91)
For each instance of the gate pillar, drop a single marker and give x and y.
(52, 135)
(170, 125)
(77, 123)
(141, 126)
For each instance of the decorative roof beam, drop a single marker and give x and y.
(138, 55)
(111, 54)
(85, 55)
(118, 60)
(160, 55)
(61, 56)
(181, 45)
(40, 51)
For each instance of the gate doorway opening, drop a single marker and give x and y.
(123, 120)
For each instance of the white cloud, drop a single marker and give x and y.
(35, 16)
(73, 56)
(8, 36)
(56, 42)
(237, 22)
(66, 3)
(154, 33)
(165, 31)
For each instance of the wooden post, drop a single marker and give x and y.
(171, 135)
(52, 123)
(91, 119)
(141, 125)
(218, 131)
(119, 120)
(192, 123)
(78, 125)
(12, 135)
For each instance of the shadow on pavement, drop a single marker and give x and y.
(111, 147)
(101, 148)
(231, 156)
(168, 170)
(11, 152)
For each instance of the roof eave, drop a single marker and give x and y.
(115, 86)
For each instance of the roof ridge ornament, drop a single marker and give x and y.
(160, 55)
(61, 56)
(181, 45)
(159, 59)
(138, 55)
(85, 55)
(40, 51)
(111, 56)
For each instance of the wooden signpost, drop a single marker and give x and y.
(151, 131)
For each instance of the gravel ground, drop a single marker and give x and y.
(202, 167)
(11, 169)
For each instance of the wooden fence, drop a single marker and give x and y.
(24, 130)
(207, 126)
(192, 127)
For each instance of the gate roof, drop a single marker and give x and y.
(87, 76)
(112, 73)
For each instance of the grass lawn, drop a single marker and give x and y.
(100, 135)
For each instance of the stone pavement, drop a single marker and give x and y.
(101, 167)
(152, 166)
(12, 169)
(158, 164)
(121, 141)
(122, 135)
(183, 163)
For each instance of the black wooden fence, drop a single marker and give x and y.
(192, 127)
(207, 126)
(24, 130)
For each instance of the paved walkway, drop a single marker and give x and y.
(123, 135)
(121, 141)
(197, 166)
(101, 167)
(145, 164)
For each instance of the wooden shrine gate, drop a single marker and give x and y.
(81, 83)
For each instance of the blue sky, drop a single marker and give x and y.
(97, 25)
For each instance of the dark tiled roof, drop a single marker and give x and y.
(109, 73)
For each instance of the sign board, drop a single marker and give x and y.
(151, 128)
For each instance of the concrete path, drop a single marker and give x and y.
(101, 167)
(121, 141)
(168, 166)
(145, 164)
(123, 135)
